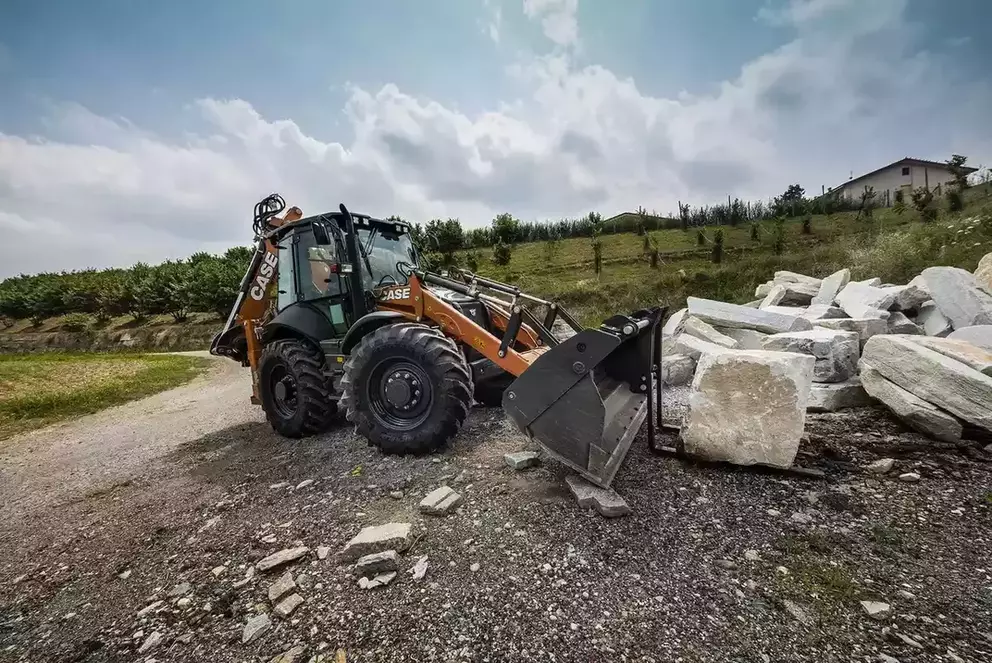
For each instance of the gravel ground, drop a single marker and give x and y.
(106, 515)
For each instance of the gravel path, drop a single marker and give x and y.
(715, 564)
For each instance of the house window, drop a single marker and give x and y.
(905, 170)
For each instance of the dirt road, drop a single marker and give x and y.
(174, 498)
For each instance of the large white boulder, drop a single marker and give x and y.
(774, 296)
(830, 286)
(690, 346)
(980, 335)
(747, 339)
(830, 397)
(971, 355)
(909, 297)
(933, 322)
(865, 327)
(933, 377)
(983, 273)
(748, 407)
(784, 276)
(673, 326)
(696, 327)
(836, 352)
(913, 411)
(864, 301)
(798, 294)
(677, 370)
(898, 323)
(816, 312)
(722, 314)
(959, 297)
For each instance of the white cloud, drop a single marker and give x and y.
(101, 191)
(559, 19)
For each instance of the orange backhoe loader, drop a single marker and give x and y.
(334, 313)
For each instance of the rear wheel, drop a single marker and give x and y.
(407, 388)
(296, 396)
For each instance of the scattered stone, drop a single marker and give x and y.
(865, 327)
(218, 571)
(752, 556)
(747, 339)
(836, 352)
(279, 486)
(604, 500)
(968, 354)
(396, 494)
(909, 477)
(390, 536)
(875, 608)
(284, 556)
(474, 568)
(908, 640)
(958, 295)
(898, 323)
(323, 552)
(904, 594)
(269, 539)
(306, 483)
(912, 410)
(705, 331)
(932, 377)
(677, 370)
(284, 585)
(881, 466)
(798, 613)
(733, 315)
(376, 563)
(150, 643)
(184, 602)
(521, 460)
(441, 502)
(123, 575)
(864, 301)
(290, 655)
(150, 608)
(978, 335)
(182, 589)
(826, 397)
(419, 568)
(726, 564)
(934, 322)
(801, 518)
(380, 580)
(748, 407)
(254, 627)
(830, 286)
(286, 607)
(885, 658)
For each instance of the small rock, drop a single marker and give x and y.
(182, 589)
(881, 466)
(909, 477)
(441, 502)
(475, 567)
(725, 564)
(605, 501)
(419, 569)
(909, 641)
(279, 486)
(377, 563)
(123, 575)
(521, 460)
(801, 518)
(148, 609)
(885, 658)
(281, 587)
(773, 512)
(218, 571)
(875, 608)
(391, 536)
(150, 643)
(323, 552)
(254, 627)
(184, 602)
(269, 539)
(21, 578)
(306, 483)
(290, 655)
(282, 557)
(752, 555)
(305, 582)
(396, 494)
(286, 607)
(798, 613)
(903, 594)
(380, 580)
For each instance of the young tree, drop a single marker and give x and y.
(684, 215)
(449, 237)
(923, 203)
(551, 246)
(506, 229)
(717, 251)
(755, 232)
(778, 236)
(808, 225)
(502, 253)
(700, 237)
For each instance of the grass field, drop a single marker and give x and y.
(40, 389)
(894, 247)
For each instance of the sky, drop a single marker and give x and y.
(141, 131)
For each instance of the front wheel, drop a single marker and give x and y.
(296, 396)
(407, 388)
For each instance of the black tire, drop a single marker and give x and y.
(490, 392)
(432, 392)
(304, 404)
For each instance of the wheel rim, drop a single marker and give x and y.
(282, 386)
(400, 394)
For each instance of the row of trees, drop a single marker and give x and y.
(202, 282)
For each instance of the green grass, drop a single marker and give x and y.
(40, 389)
(893, 247)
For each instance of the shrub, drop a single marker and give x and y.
(597, 254)
(700, 238)
(778, 237)
(755, 232)
(76, 322)
(899, 207)
(807, 225)
(472, 261)
(923, 203)
(502, 253)
(955, 201)
(717, 251)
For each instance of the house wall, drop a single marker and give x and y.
(891, 179)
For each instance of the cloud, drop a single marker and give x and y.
(841, 95)
(558, 19)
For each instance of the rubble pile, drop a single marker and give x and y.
(922, 350)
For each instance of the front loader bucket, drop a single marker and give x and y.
(585, 399)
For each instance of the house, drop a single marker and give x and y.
(903, 175)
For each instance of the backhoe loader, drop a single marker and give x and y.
(335, 313)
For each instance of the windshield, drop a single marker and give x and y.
(385, 251)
